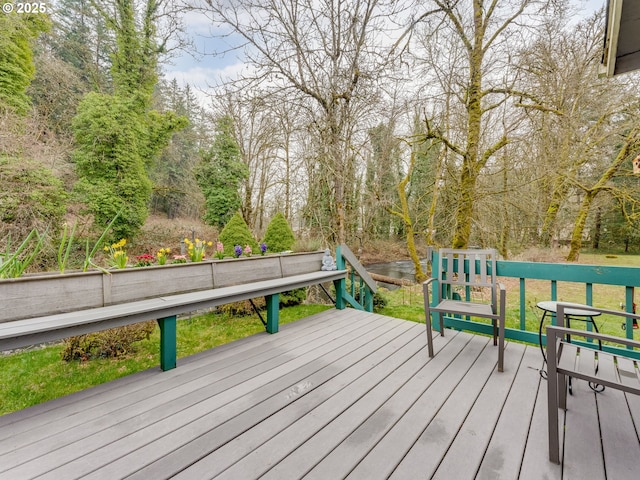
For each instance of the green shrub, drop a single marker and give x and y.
(30, 197)
(236, 232)
(293, 297)
(287, 299)
(279, 237)
(111, 343)
(116, 142)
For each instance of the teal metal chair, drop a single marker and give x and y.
(461, 273)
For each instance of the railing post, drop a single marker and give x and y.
(628, 302)
(273, 312)
(436, 287)
(554, 297)
(340, 285)
(523, 305)
(368, 299)
(167, 342)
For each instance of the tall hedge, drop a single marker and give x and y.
(236, 232)
(279, 236)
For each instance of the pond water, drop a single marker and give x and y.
(398, 269)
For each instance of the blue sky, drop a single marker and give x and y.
(208, 69)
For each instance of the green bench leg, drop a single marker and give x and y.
(341, 288)
(167, 342)
(273, 312)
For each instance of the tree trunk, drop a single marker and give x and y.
(551, 215)
(504, 230)
(405, 216)
(470, 161)
(464, 210)
(578, 228)
(597, 228)
(631, 143)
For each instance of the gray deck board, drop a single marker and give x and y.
(583, 459)
(351, 368)
(503, 457)
(11, 425)
(341, 394)
(465, 455)
(397, 442)
(535, 462)
(342, 459)
(225, 391)
(256, 407)
(633, 401)
(445, 426)
(150, 400)
(619, 440)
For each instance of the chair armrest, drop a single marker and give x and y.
(561, 331)
(425, 287)
(502, 301)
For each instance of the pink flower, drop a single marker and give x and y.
(247, 251)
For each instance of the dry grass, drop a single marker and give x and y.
(160, 232)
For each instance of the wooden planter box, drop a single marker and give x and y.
(36, 295)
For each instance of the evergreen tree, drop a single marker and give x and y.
(176, 191)
(279, 237)
(236, 232)
(382, 177)
(17, 31)
(119, 136)
(220, 175)
(80, 38)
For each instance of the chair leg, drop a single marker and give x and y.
(495, 331)
(553, 382)
(562, 391)
(441, 324)
(552, 415)
(429, 332)
(427, 313)
(501, 346)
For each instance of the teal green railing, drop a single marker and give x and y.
(362, 297)
(627, 278)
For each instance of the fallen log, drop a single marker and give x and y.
(401, 282)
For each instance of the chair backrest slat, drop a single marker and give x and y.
(468, 268)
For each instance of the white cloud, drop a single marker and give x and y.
(204, 78)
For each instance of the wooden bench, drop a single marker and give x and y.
(17, 333)
(613, 370)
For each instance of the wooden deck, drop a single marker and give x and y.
(342, 394)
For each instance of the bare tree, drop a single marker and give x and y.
(583, 127)
(255, 131)
(480, 82)
(327, 50)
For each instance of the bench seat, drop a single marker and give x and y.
(21, 333)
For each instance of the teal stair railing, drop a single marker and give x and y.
(359, 292)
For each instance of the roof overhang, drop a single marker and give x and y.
(622, 38)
